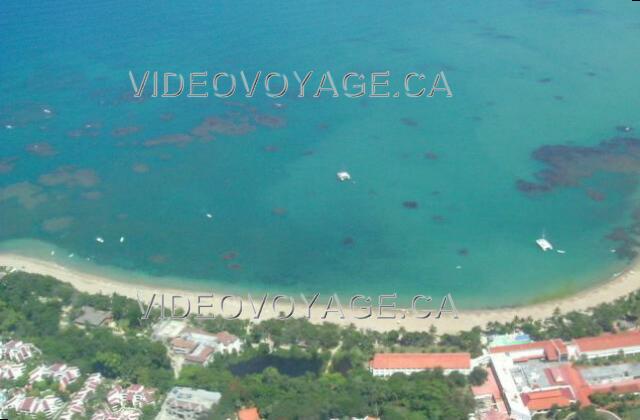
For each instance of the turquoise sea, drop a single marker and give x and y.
(447, 194)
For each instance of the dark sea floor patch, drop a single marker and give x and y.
(348, 241)
(41, 149)
(92, 195)
(568, 165)
(229, 255)
(90, 129)
(409, 122)
(24, 114)
(7, 164)
(624, 128)
(27, 194)
(169, 139)
(125, 131)
(69, 176)
(140, 168)
(56, 224)
(410, 204)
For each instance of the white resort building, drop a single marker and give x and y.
(188, 403)
(387, 364)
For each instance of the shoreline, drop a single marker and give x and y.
(621, 285)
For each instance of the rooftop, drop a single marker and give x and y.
(196, 396)
(544, 400)
(490, 387)
(93, 316)
(609, 341)
(168, 328)
(248, 414)
(200, 354)
(607, 374)
(421, 361)
(226, 338)
(552, 349)
(183, 344)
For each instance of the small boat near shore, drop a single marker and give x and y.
(544, 244)
(343, 176)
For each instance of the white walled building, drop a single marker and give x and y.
(502, 364)
(18, 351)
(550, 350)
(606, 345)
(60, 373)
(387, 364)
(222, 342)
(32, 406)
(187, 403)
(11, 371)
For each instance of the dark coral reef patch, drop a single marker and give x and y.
(568, 165)
(41, 149)
(571, 166)
(410, 204)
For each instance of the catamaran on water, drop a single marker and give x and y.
(544, 244)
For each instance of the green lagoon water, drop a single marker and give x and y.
(524, 74)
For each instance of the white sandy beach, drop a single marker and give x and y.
(608, 291)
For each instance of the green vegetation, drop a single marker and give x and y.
(627, 406)
(427, 395)
(295, 369)
(33, 308)
(290, 369)
(478, 376)
(621, 314)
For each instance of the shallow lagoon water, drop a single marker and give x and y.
(524, 74)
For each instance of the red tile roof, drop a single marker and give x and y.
(248, 414)
(609, 341)
(200, 354)
(226, 338)
(573, 377)
(421, 361)
(626, 387)
(490, 386)
(544, 400)
(183, 344)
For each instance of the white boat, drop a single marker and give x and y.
(122, 239)
(99, 239)
(544, 244)
(561, 251)
(343, 176)
(209, 216)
